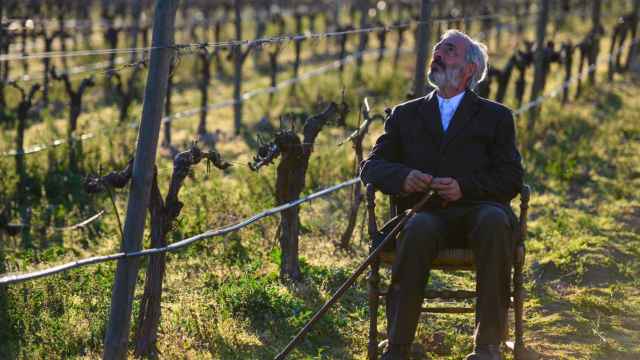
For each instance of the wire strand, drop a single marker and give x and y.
(233, 43)
(16, 278)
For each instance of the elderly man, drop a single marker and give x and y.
(462, 146)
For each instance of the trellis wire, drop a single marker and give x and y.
(72, 72)
(16, 24)
(233, 43)
(537, 102)
(194, 111)
(82, 223)
(283, 84)
(219, 105)
(11, 279)
(248, 95)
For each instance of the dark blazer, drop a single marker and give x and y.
(478, 150)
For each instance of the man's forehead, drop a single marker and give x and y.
(455, 40)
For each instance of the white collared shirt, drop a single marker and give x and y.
(448, 108)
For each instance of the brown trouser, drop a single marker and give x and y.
(484, 228)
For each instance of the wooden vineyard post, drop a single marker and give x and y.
(239, 56)
(632, 58)
(423, 47)
(538, 77)
(117, 332)
(595, 45)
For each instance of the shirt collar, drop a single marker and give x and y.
(452, 101)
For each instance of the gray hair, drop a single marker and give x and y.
(476, 54)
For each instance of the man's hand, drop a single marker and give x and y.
(447, 188)
(416, 181)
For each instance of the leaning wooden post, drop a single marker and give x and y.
(538, 77)
(595, 45)
(116, 338)
(422, 51)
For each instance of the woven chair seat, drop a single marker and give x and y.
(453, 259)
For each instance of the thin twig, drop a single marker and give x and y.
(115, 209)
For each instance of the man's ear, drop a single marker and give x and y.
(469, 69)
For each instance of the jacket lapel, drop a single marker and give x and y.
(462, 117)
(430, 116)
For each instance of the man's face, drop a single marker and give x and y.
(448, 66)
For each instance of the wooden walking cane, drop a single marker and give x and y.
(372, 256)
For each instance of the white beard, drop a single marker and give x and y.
(449, 78)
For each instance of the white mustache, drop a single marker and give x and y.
(448, 77)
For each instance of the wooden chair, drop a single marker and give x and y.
(447, 260)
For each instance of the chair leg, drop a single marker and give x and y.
(374, 300)
(518, 307)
